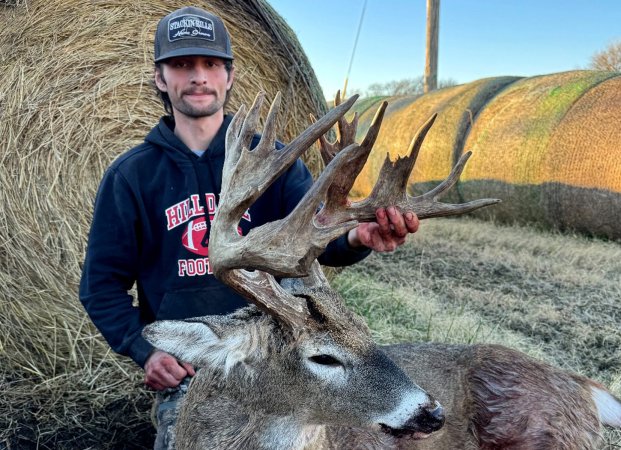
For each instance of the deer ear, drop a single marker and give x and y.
(185, 340)
(214, 341)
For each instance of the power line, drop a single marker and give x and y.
(353, 52)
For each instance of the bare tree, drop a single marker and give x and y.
(608, 59)
(405, 86)
(447, 82)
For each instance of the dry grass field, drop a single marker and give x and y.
(556, 297)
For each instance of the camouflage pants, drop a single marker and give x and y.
(165, 411)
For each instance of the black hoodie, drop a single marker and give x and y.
(150, 227)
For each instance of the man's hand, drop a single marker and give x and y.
(163, 371)
(387, 233)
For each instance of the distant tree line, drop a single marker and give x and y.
(406, 86)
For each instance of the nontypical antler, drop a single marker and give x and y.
(266, 250)
(288, 247)
(247, 174)
(391, 187)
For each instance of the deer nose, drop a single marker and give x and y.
(432, 418)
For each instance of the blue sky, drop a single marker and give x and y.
(478, 38)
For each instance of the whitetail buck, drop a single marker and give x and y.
(299, 370)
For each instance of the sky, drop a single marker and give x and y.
(477, 38)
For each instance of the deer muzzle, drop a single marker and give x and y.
(413, 424)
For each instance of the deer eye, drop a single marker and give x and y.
(325, 360)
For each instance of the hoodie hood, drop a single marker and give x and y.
(205, 170)
(163, 135)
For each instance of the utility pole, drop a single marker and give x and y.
(431, 59)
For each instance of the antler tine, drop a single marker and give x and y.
(233, 142)
(238, 138)
(399, 171)
(448, 183)
(346, 135)
(337, 196)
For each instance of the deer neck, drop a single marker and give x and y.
(287, 432)
(209, 401)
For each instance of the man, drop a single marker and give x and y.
(155, 202)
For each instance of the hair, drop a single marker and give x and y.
(165, 99)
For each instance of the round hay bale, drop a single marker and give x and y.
(75, 93)
(456, 106)
(365, 104)
(582, 164)
(369, 173)
(510, 139)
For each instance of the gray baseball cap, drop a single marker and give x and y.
(192, 31)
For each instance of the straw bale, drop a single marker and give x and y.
(584, 148)
(510, 139)
(582, 164)
(365, 104)
(546, 145)
(75, 93)
(456, 106)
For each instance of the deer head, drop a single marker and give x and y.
(299, 353)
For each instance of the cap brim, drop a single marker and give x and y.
(193, 51)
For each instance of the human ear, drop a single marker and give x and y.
(229, 82)
(160, 82)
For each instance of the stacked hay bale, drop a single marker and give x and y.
(457, 108)
(548, 146)
(583, 164)
(531, 151)
(75, 93)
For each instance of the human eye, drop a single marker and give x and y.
(179, 63)
(213, 64)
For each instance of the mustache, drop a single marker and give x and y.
(199, 91)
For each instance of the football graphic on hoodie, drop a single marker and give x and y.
(195, 237)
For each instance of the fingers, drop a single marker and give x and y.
(388, 232)
(397, 222)
(189, 369)
(370, 236)
(411, 222)
(155, 385)
(381, 217)
(163, 371)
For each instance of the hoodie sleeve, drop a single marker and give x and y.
(110, 267)
(338, 252)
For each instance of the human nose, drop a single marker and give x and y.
(200, 75)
